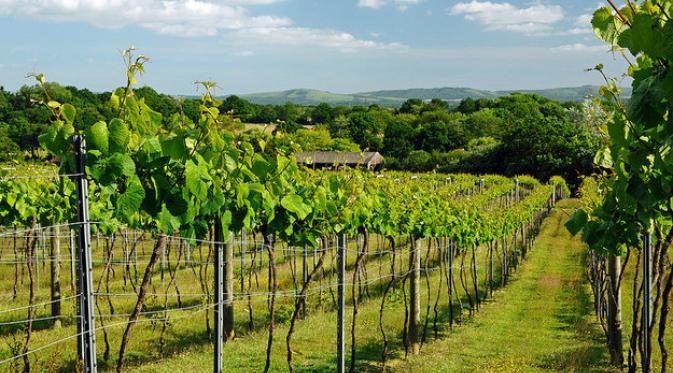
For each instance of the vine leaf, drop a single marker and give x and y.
(97, 137)
(167, 222)
(130, 201)
(118, 136)
(577, 222)
(196, 175)
(295, 204)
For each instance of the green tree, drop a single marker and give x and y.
(366, 129)
(548, 147)
(484, 123)
(411, 106)
(419, 160)
(9, 150)
(440, 136)
(467, 106)
(322, 113)
(344, 145)
(312, 140)
(399, 138)
(238, 107)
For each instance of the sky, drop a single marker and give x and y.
(344, 46)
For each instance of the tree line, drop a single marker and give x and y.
(515, 134)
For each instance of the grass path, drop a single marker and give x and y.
(541, 322)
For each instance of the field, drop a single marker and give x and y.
(176, 324)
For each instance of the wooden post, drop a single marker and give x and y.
(615, 312)
(415, 295)
(55, 267)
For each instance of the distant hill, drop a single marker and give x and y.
(397, 97)
(314, 97)
(446, 93)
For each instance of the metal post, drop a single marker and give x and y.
(449, 253)
(37, 257)
(86, 330)
(304, 278)
(243, 253)
(127, 259)
(218, 335)
(135, 256)
(341, 303)
(72, 260)
(647, 295)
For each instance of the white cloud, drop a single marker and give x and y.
(582, 26)
(401, 5)
(243, 54)
(536, 18)
(301, 36)
(374, 4)
(578, 48)
(191, 18)
(171, 17)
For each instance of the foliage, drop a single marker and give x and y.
(636, 162)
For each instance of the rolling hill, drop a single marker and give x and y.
(397, 97)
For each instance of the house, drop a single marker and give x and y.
(370, 160)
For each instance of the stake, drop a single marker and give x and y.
(218, 335)
(86, 330)
(304, 278)
(72, 261)
(449, 253)
(243, 250)
(415, 295)
(37, 257)
(647, 295)
(341, 303)
(490, 267)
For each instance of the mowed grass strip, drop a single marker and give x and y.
(542, 321)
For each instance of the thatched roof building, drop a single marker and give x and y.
(370, 160)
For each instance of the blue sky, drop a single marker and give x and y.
(337, 45)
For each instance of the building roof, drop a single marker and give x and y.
(347, 158)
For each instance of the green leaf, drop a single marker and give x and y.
(130, 201)
(97, 137)
(226, 220)
(176, 204)
(68, 113)
(175, 147)
(168, 223)
(295, 204)
(242, 192)
(121, 164)
(119, 136)
(577, 221)
(603, 158)
(646, 36)
(195, 178)
(604, 25)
